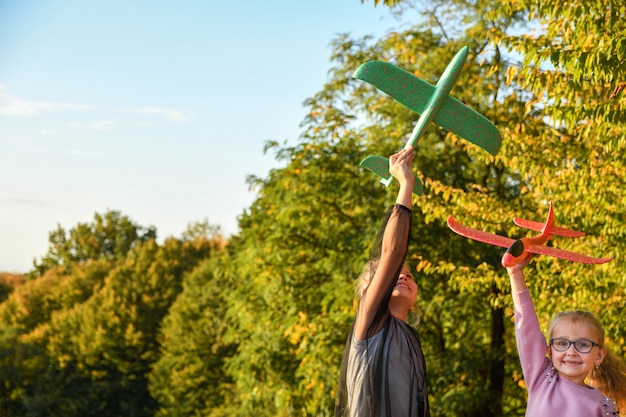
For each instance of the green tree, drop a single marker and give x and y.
(110, 236)
(203, 229)
(300, 245)
(24, 316)
(20, 365)
(34, 303)
(102, 350)
(81, 339)
(189, 378)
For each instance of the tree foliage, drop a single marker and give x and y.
(189, 378)
(110, 236)
(94, 330)
(8, 282)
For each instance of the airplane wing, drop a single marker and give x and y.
(414, 93)
(479, 235)
(565, 254)
(554, 230)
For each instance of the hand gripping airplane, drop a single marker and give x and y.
(432, 103)
(520, 249)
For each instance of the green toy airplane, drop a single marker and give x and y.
(432, 103)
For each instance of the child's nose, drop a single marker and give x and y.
(403, 277)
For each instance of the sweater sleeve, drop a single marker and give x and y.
(531, 343)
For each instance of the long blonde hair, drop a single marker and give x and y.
(366, 277)
(610, 376)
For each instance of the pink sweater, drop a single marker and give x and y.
(548, 394)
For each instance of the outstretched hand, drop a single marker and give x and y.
(520, 266)
(400, 169)
(516, 275)
(400, 166)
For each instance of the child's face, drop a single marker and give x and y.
(406, 288)
(571, 363)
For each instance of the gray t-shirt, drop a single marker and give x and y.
(400, 357)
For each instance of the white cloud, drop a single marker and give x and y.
(101, 125)
(47, 132)
(11, 105)
(80, 152)
(39, 149)
(169, 114)
(63, 151)
(22, 201)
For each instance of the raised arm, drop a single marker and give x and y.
(518, 280)
(375, 299)
(531, 343)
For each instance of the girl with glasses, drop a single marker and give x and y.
(572, 375)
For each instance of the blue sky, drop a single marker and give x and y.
(157, 109)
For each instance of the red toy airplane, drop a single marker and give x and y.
(520, 249)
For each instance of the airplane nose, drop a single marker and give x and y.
(514, 254)
(516, 248)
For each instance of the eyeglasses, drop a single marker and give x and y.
(582, 345)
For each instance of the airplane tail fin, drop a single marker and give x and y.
(549, 221)
(547, 227)
(380, 166)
